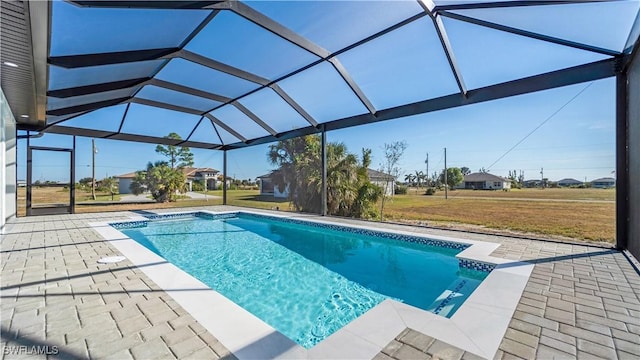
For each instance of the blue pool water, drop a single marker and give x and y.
(308, 282)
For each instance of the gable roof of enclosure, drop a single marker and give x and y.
(229, 74)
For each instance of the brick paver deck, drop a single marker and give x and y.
(580, 302)
(54, 293)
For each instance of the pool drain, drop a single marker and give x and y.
(111, 259)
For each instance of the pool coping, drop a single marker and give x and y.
(478, 326)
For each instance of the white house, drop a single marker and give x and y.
(268, 188)
(569, 182)
(484, 181)
(603, 183)
(124, 182)
(385, 181)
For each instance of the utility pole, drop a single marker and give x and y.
(446, 187)
(427, 173)
(542, 178)
(93, 168)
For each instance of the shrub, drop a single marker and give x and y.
(197, 185)
(401, 190)
(430, 191)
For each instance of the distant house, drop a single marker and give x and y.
(603, 183)
(124, 182)
(569, 182)
(385, 181)
(268, 188)
(484, 181)
(201, 174)
(206, 175)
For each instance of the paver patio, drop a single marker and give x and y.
(581, 301)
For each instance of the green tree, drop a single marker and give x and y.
(197, 185)
(454, 177)
(178, 156)
(349, 192)
(165, 178)
(161, 180)
(85, 181)
(465, 170)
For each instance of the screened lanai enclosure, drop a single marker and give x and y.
(226, 75)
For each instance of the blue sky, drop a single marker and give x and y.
(400, 67)
(577, 142)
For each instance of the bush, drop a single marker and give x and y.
(197, 185)
(430, 191)
(401, 190)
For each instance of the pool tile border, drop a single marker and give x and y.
(130, 224)
(493, 302)
(475, 265)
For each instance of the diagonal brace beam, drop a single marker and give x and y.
(216, 121)
(254, 117)
(529, 34)
(118, 57)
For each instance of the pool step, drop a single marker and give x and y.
(452, 298)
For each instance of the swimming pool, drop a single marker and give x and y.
(308, 280)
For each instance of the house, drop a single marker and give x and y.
(603, 183)
(381, 179)
(206, 175)
(385, 181)
(268, 188)
(193, 174)
(569, 182)
(124, 182)
(484, 181)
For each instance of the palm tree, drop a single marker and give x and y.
(409, 178)
(349, 192)
(425, 179)
(419, 177)
(161, 180)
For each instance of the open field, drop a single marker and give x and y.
(593, 221)
(584, 214)
(531, 193)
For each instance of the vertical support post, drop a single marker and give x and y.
(323, 210)
(93, 169)
(446, 186)
(622, 167)
(72, 186)
(29, 174)
(224, 177)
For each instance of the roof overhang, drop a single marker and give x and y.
(25, 47)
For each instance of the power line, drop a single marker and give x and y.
(540, 125)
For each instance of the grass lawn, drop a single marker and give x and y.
(584, 214)
(574, 219)
(251, 198)
(537, 193)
